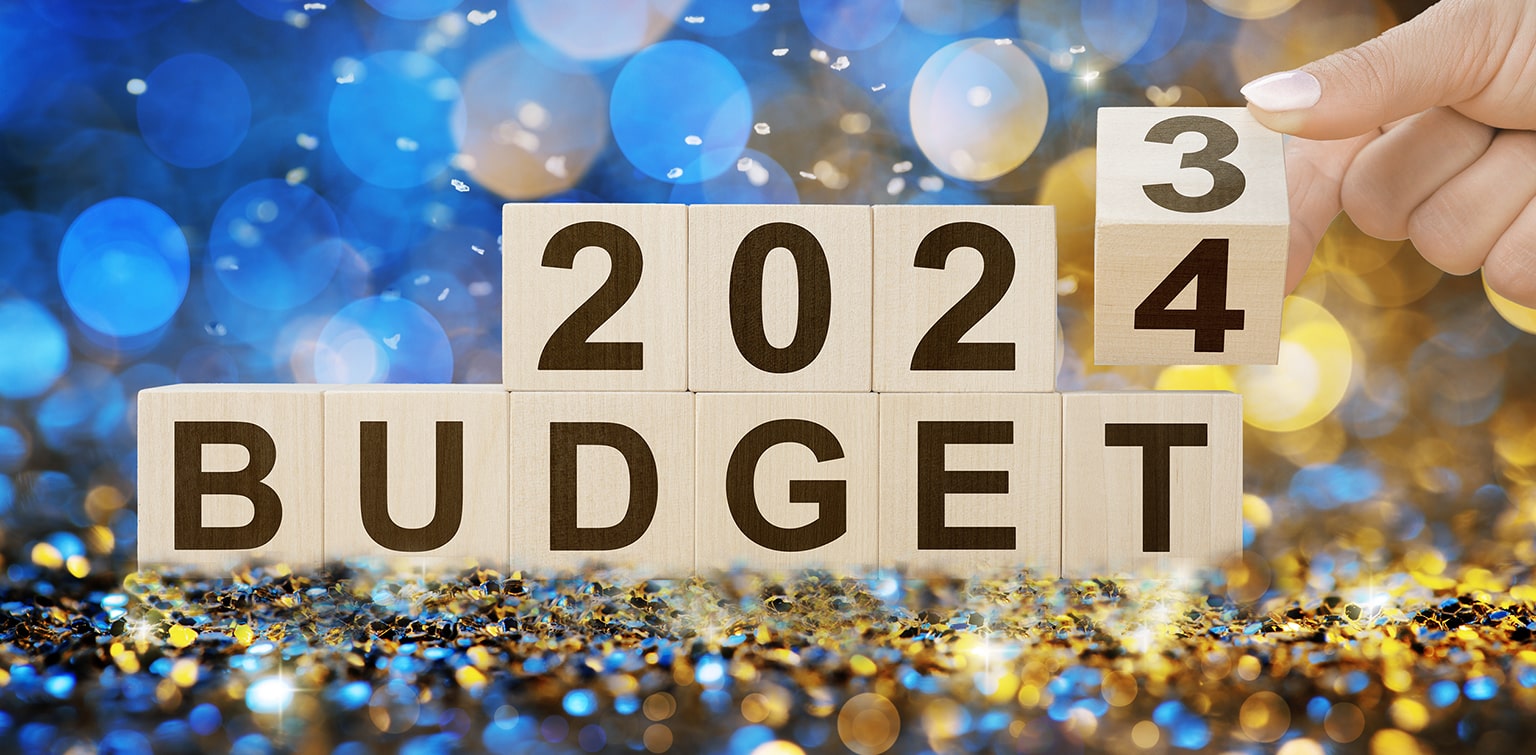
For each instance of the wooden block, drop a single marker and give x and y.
(779, 298)
(1150, 480)
(787, 481)
(603, 478)
(970, 483)
(594, 297)
(1191, 233)
(965, 298)
(228, 474)
(417, 474)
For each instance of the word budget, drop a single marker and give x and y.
(783, 387)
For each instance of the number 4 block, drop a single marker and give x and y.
(1190, 251)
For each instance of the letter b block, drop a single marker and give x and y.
(787, 481)
(1150, 480)
(1190, 250)
(417, 474)
(229, 474)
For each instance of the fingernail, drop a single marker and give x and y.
(1284, 91)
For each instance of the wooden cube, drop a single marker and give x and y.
(1191, 234)
(603, 478)
(417, 474)
(787, 481)
(779, 298)
(1151, 480)
(965, 298)
(595, 297)
(230, 474)
(970, 483)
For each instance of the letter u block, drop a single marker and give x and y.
(229, 474)
(417, 474)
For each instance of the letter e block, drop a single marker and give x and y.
(1151, 480)
(603, 478)
(970, 483)
(595, 297)
(779, 298)
(230, 474)
(1191, 233)
(965, 298)
(417, 474)
(787, 481)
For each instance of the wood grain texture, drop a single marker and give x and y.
(565, 268)
(1113, 445)
(603, 478)
(222, 524)
(937, 269)
(970, 483)
(1162, 189)
(416, 475)
(798, 471)
(779, 298)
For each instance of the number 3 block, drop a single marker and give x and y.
(1190, 251)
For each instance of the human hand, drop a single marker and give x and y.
(1422, 133)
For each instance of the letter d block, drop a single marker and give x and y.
(229, 474)
(1151, 481)
(417, 474)
(1190, 244)
(603, 478)
(788, 481)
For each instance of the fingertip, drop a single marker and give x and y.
(1291, 123)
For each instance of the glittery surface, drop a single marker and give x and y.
(291, 175)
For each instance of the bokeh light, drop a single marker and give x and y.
(392, 118)
(35, 346)
(195, 110)
(595, 31)
(1252, 9)
(1314, 374)
(414, 10)
(754, 179)
(681, 112)
(851, 24)
(530, 130)
(978, 109)
(383, 339)
(123, 267)
(273, 244)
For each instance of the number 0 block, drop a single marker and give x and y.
(594, 297)
(779, 298)
(1150, 480)
(1190, 250)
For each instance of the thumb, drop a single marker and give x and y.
(1444, 56)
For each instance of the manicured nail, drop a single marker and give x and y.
(1284, 91)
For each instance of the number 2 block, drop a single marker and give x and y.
(1190, 249)
(965, 299)
(595, 297)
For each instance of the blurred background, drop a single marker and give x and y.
(276, 191)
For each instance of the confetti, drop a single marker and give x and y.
(459, 186)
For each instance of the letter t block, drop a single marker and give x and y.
(1151, 481)
(230, 474)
